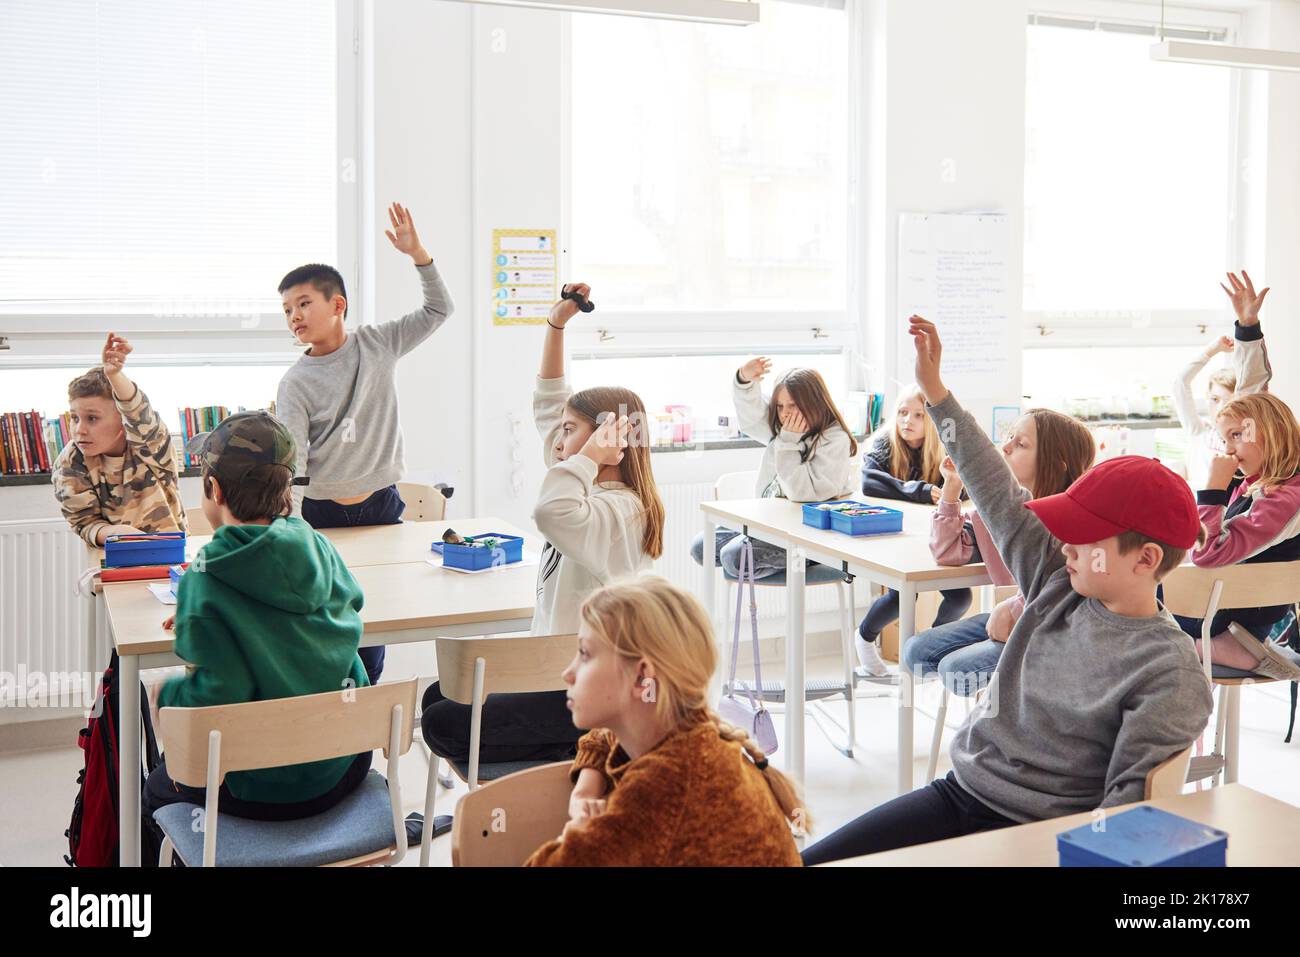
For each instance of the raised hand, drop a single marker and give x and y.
(116, 349)
(755, 369)
(1245, 303)
(1221, 344)
(929, 351)
(606, 444)
(403, 235)
(566, 309)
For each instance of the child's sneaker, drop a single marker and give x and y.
(1272, 661)
(872, 665)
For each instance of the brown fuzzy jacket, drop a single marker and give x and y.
(693, 800)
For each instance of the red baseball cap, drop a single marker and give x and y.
(1128, 493)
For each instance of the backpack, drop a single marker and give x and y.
(92, 834)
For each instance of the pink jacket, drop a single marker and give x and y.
(953, 540)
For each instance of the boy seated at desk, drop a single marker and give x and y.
(266, 610)
(1097, 683)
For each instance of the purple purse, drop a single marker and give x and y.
(750, 713)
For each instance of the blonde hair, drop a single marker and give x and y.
(900, 453)
(635, 468)
(1276, 433)
(1224, 377)
(651, 618)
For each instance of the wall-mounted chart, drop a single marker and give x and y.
(524, 271)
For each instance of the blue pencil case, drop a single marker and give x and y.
(472, 557)
(863, 519)
(1143, 836)
(818, 514)
(159, 548)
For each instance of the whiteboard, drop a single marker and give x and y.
(953, 270)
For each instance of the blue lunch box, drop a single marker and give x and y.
(176, 573)
(510, 549)
(818, 514)
(1143, 836)
(879, 521)
(160, 548)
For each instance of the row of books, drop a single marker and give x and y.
(195, 421)
(30, 443)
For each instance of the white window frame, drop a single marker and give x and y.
(1058, 329)
(641, 333)
(34, 340)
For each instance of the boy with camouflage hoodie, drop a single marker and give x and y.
(117, 476)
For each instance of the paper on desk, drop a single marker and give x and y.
(163, 593)
(530, 558)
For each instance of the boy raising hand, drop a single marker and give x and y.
(117, 475)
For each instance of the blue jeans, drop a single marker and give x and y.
(769, 559)
(383, 507)
(960, 652)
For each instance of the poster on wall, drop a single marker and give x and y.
(953, 270)
(524, 270)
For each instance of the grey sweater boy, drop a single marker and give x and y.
(1086, 701)
(342, 407)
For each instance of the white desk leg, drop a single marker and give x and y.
(89, 621)
(794, 661)
(128, 770)
(906, 688)
(1232, 734)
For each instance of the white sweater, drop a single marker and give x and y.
(1253, 372)
(787, 470)
(593, 530)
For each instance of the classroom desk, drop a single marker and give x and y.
(405, 601)
(901, 561)
(1262, 832)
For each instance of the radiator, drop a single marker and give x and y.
(42, 624)
(685, 521)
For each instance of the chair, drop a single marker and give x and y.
(741, 485)
(1200, 593)
(197, 522)
(470, 669)
(424, 503)
(1167, 778)
(203, 745)
(501, 823)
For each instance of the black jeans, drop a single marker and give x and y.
(884, 611)
(160, 790)
(384, 507)
(532, 726)
(940, 810)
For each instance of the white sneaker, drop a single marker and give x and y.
(1272, 659)
(869, 659)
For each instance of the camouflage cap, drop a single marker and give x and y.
(242, 441)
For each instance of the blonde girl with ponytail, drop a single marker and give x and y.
(659, 779)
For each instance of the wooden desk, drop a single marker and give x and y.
(405, 601)
(901, 561)
(1262, 832)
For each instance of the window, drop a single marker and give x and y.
(702, 383)
(1129, 171)
(169, 388)
(709, 163)
(165, 160)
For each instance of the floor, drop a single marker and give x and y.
(39, 786)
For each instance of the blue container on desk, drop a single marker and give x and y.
(818, 514)
(510, 549)
(160, 548)
(881, 521)
(1144, 836)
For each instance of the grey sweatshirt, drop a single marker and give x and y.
(342, 408)
(789, 469)
(1086, 701)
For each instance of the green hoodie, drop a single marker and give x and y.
(268, 611)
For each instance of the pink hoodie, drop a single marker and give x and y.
(952, 543)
